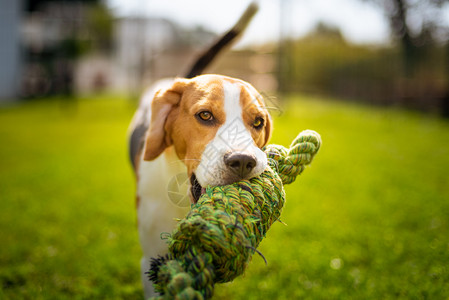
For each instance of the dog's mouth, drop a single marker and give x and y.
(196, 189)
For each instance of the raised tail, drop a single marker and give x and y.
(204, 60)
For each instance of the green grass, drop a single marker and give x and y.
(368, 220)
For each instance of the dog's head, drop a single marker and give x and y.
(217, 126)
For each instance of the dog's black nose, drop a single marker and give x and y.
(240, 163)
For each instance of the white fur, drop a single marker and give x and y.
(156, 213)
(231, 136)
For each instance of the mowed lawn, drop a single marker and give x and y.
(369, 219)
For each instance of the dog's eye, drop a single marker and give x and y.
(258, 123)
(205, 115)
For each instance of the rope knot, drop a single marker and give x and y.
(289, 163)
(216, 240)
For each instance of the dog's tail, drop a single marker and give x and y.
(204, 60)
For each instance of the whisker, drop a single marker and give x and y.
(272, 108)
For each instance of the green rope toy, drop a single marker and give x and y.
(216, 240)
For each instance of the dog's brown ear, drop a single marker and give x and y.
(164, 102)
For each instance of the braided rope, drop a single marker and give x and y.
(216, 240)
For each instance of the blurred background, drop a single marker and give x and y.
(388, 52)
(367, 220)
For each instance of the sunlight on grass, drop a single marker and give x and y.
(367, 220)
(67, 217)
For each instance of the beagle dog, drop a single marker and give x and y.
(211, 128)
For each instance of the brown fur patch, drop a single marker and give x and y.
(189, 136)
(253, 107)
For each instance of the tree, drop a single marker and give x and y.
(416, 24)
(100, 22)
